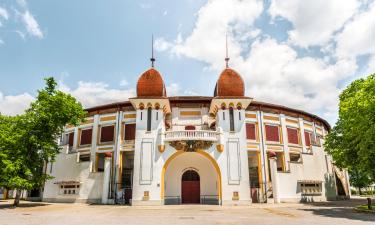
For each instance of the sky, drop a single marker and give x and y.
(299, 54)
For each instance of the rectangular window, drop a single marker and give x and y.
(86, 136)
(250, 131)
(272, 133)
(231, 119)
(308, 138)
(293, 135)
(295, 157)
(70, 139)
(149, 117)
(129, 131)
(100, 162)
(84, 157)
(107, 133)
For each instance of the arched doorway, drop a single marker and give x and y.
(190, 187)
(177, 164)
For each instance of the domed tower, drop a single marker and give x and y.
(151, 105)
(228, 106)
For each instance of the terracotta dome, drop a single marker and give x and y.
(151, 84)
(229, 84)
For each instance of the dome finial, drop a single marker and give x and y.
(226, 50)
(152, 51)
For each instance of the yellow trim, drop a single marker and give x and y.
(130, 116)
(108, 118)
(88, 121)
(271, 118)
(251, 116)
(260, 171)
(306, 125)
(291, 121)
(203, 153)
(190, 113)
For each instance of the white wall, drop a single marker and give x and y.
(227, 158)
(66, 168)
(312, 168)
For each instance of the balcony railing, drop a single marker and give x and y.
(203, 135)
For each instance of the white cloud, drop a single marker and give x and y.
(1, 42)
(173, 89)
(4, 13)
(124, 83)
(314, 21)
(31, 25)
(273, 72)
(358, 36)
(165, 13)
(22, 3)
(207, 40)
(97, 93)
(14, 104)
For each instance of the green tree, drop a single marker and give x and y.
(352, 141)
(359, 179)
(29, 141)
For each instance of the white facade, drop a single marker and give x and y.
(186, 136)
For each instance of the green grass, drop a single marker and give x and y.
(364, 208)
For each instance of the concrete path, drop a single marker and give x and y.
(331, 213)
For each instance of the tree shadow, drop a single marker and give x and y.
(339, 212)
(22, 205)
(339, 209)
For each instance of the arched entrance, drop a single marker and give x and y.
(201, 162)
(190, 187)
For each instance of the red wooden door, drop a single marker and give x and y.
(190, 187)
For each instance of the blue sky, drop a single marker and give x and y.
(295, 53)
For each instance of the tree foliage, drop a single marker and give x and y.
(29, 140)
(352, 141)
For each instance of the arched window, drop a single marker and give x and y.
(231, 119)
(149, 113)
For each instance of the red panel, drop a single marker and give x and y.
(190, 192)
(86, 136)
(107, 134)
(292, 135)
(71, 138)
(272, 133)
(254, 195)
(307, 138)
(190, 127)
(130, 131)
(250, 131)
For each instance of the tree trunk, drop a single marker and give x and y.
(17, 199)
(360, 191)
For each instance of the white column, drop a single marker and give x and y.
(75, 139)
(94, 139)
(274, 178)
(106, 178)
(285, 142)
(302, 130)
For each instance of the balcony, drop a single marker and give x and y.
(185, 135)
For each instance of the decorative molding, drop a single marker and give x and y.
(161, 148)
(220, 148)
(190, 145)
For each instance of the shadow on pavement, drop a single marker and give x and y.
(339, 209)
(22, 205)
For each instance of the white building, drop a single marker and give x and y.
(225, 149)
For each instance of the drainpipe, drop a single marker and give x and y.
(115, 153)
(263, 152)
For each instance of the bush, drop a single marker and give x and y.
(353, 191)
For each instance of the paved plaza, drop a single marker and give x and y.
(332, 213)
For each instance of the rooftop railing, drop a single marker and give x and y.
(181, 135)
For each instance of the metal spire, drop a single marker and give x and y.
(152, 52)
(226, 50)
